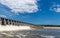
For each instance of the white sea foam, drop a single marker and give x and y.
(13, 28)
(46, 36)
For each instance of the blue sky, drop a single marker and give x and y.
(38, 12)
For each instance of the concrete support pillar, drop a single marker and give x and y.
(8, 22)
(4, 21)
(16, 23)
(11, 22)
(19, 23)
(0, 21)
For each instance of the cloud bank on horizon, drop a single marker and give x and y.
(21, 6)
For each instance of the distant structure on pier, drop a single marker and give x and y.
(6, 21)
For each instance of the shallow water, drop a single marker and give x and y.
(37, 33)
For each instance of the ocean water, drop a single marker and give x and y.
(34, 33)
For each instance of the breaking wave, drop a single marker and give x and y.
(12, 28)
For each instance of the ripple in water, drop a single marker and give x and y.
(46, 36)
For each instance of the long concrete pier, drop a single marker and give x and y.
(5, 21)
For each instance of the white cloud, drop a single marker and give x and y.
(3, 16)
(55, 7)
(21, 6)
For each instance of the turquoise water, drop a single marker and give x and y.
(37, 33)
